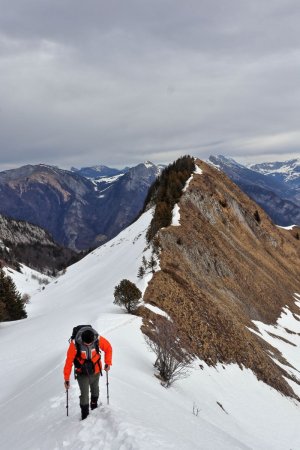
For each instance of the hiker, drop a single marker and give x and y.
(84, 353)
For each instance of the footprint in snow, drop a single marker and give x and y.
(103, 430)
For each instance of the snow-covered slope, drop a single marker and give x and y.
(287, 171)
(28, 281)
(215, 408)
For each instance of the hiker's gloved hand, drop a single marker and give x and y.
(107, 367)
(67, 384)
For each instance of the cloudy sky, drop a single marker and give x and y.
(117, 82)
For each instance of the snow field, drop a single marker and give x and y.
(235, 410)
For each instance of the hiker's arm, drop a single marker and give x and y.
(107, 349)
(71, 353)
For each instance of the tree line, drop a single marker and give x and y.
(166, 191)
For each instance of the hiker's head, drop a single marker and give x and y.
(88, 337)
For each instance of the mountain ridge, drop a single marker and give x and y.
(225, 266)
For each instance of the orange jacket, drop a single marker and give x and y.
(104, 345)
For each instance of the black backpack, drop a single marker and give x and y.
(87, 364)
(76, 329)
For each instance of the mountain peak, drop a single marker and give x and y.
(220, 160)
(148, 164)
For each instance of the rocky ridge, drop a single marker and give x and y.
(225, 266)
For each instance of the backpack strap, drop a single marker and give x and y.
(99, 353)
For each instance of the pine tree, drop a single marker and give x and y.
(11, 304)
(144, 262)
(141, 272)
(152, 264)
(166, 192)
(127, 294)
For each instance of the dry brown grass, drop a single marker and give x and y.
(220, 270)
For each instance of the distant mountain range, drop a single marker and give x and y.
(84, 208)
(95, 172)
(79, 212)
(287, 171)
(273, 186)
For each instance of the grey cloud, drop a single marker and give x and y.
(115, 82)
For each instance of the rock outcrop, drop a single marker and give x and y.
(22, 242)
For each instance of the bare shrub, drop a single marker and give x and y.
(25, 298)
(40, 280)
(172, 360)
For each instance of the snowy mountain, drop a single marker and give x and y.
(221, 406)
(286, 171)
(79, 213)
(98, 171)
(122, 197)
(279, 197)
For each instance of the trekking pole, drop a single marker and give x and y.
(107, 391)
(67, 405)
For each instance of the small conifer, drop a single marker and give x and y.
(11, 304)
(127, 294)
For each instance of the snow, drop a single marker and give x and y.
(176, 210)
(176, 216)
(28, 281)
(157, 310)
(288, 169)
(287, 328)
(235, 410)
(198, 170)
(148, 164)
(110, 180)
(187, 183)
(290, 227)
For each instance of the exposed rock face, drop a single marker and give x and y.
(22, 242)
(277, 192)
(224, 266)
(54, 199)
(124, 199)
(71, 207)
